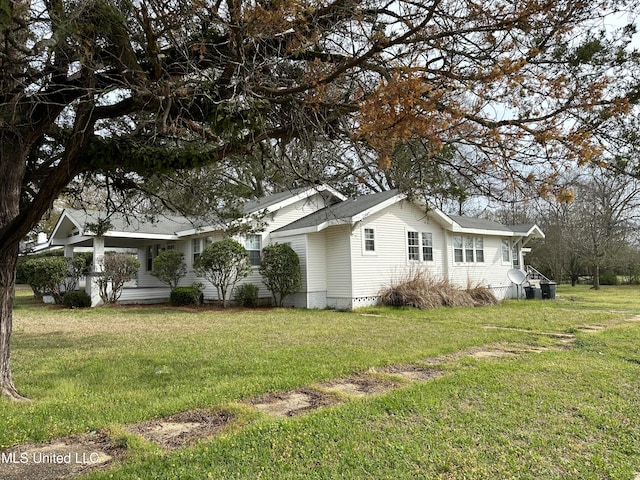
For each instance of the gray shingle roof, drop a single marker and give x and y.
(253, 206)
(483, 224)
(479, 223)
(162, 224)
(340, 211)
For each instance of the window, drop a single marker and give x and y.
(506, 249)
(413, 246)
(479, 249)
(253, 244)
(427, 247)
(369, 240)
(516, 257)
(420, 246)
(457, 249)
(149, 256)
(468, 249)
(152, 252)
(196, 248)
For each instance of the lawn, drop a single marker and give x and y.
(563, 413)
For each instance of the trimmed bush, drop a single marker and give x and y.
(169, 267)
(280, 270)
(76, 300)
(223, 263)
(247, 295)
(182, 296)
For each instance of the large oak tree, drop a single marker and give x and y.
(128, 88)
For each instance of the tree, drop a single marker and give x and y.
(587, 234)
(116, 90)
(47, 274)
(118, 269)
(169, 267)
(223, 263)
(280, 270)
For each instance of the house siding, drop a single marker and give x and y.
(316, 273)
(299, 245)
(338, 267)
(491, 273)
(372, 271)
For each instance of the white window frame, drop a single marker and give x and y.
(505, 247)
(478, 244)
(248, 243)
(426, 245)
(458, 248)
(413, 246)
(468, 249)
(196, 249)
(365, 239)
(420, 242)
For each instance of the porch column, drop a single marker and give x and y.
(98, 267)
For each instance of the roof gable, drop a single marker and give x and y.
(347, 211)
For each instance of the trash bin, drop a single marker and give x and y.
(548, 290)
(529, 293)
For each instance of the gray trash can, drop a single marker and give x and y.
(548, 290)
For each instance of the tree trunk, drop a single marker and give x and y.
(596, 277)
(12, 167)
(8, 261)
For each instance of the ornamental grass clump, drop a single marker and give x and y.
(417, 289)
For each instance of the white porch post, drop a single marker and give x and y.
(92, 286)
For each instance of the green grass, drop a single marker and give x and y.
(560, 414)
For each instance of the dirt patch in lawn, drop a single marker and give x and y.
(182, 429)
(61, 458)
(591, 328)
(293, 403)
(359, 385)
(412, 373)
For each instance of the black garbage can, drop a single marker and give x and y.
(548, 290)
(529, 293)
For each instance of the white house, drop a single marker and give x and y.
(348, 248)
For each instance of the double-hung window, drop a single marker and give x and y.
(420, 246)
(506, 251)
(253, 244)
(369, 240)
(413, 246)
(468, 249)
(427, 247)
(196, 248)
(457, 249)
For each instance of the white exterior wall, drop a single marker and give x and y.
(374, 270)
(316, 272)
(338, 267)
(299, 245)
(491, 273)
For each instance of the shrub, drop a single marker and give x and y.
(46, 274)
(280, 270)
(482, 296)
(169, 267)
(416, 289)
(181, 296)
(608, 277)
(76, 300)
(118, 269)
(247, 295)
(223, 263)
